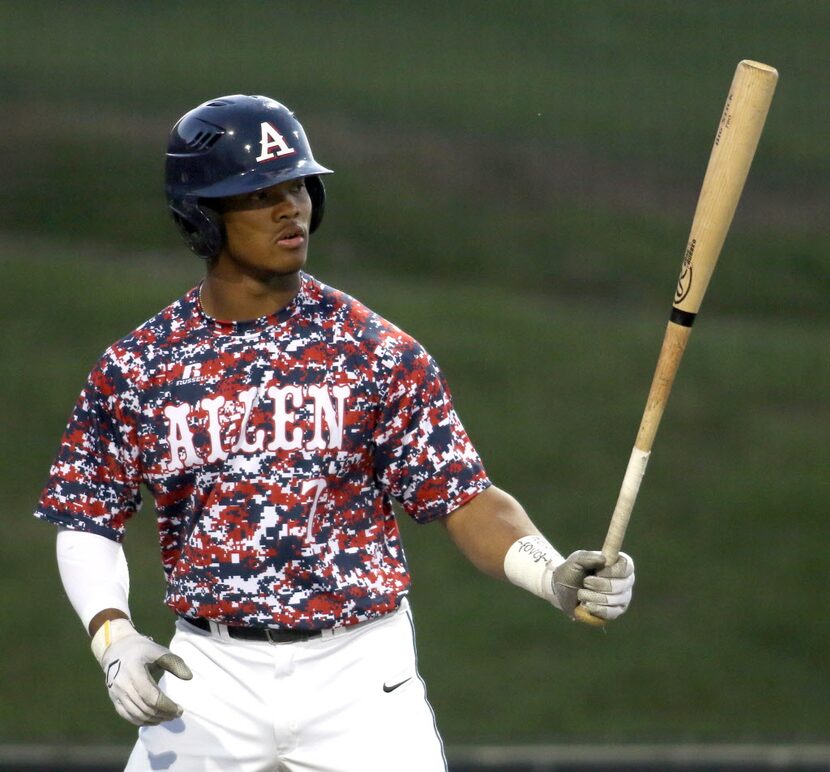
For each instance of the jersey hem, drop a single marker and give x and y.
(451, 506)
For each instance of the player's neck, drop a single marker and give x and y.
(240, 298)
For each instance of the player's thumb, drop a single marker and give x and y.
(172, 663)
(589, 560)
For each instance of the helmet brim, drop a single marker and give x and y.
(253, 180)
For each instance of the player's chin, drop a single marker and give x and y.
(289, 260)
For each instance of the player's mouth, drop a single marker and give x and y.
(291, 237)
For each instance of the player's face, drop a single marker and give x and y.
(267, 231)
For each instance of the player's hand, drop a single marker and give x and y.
(132, 665)
(604, 591)
(607, 593)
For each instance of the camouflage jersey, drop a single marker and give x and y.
(272, 449)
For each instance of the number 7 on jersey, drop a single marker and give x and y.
(318, 486)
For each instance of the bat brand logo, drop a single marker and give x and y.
(684, 283)
(272, 144)
(725, 119)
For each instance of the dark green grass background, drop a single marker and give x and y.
(515, 184)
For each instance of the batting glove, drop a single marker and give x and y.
(603, 591)
(132, 665)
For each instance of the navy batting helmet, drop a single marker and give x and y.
(231, 145)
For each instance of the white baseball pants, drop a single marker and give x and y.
(351, 701)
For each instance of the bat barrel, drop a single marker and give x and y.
(736, 140)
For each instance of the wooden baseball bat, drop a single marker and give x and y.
(735, 142)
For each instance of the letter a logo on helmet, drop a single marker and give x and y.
(271, 139)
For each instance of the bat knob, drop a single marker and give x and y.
(581, 615)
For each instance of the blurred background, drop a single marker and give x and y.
(515, 183)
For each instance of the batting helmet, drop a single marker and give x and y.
(231, 145)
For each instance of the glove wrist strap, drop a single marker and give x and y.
(108, 633)
(530, 563)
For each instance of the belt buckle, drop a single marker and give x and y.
(281, 637)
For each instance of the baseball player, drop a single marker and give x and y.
(274, 419)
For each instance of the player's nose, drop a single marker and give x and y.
(285, 207)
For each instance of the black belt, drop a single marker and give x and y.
(259, 633)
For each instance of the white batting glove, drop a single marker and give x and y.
(583, 578)
(132, 665)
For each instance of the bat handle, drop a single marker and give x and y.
(634, 474)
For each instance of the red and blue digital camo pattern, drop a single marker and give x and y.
(271, 449)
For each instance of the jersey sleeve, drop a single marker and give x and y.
(423, 456)
(94, 481)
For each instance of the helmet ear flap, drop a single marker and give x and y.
(201, 227)
(317, 194)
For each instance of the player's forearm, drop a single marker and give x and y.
(94, 573)
(486, 527)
